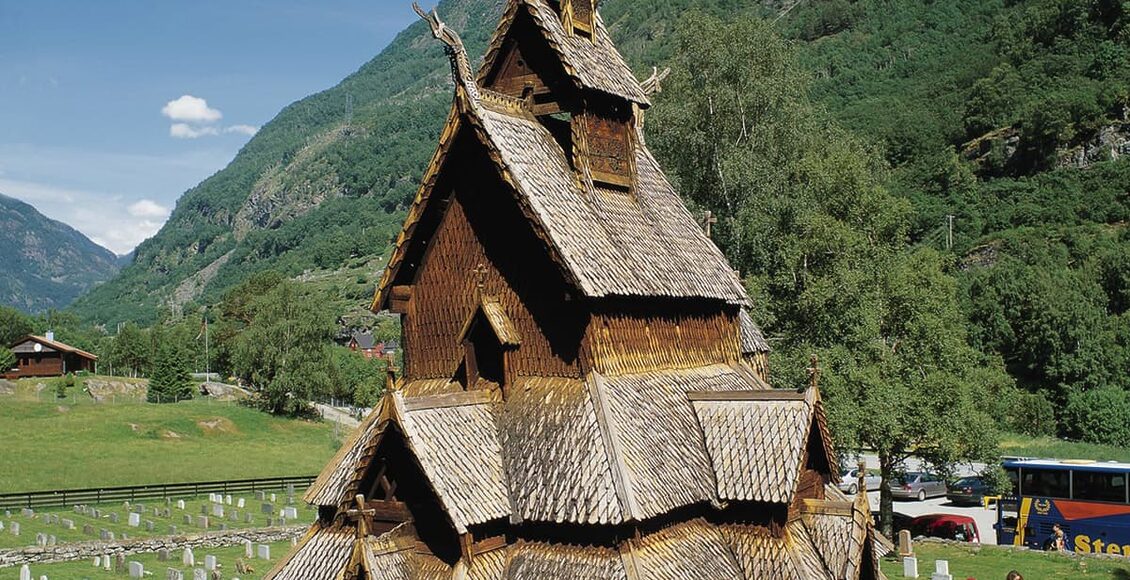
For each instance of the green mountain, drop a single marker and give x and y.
(46, 264)
(1006, 123)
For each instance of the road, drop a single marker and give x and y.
(337, 415)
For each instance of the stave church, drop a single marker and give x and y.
(582, 393)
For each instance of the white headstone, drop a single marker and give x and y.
(272, 498)
(180, 504)
(14, 528)
(187, 558)
(98, 561)
(290, 513)
(264, 552)
(941, 571)
(134, 520)
(106, 562)
(227, 499)
(910, 567)
(247, 551)
(239, 504)
(199, 574)
(209, 562)
(25, 572)
(136, 570)
(218, 510)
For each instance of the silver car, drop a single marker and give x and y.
(849, 481)
(918, 485)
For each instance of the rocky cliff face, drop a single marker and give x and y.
(45, 263)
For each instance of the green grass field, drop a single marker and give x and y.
(1026, 446)
(74, 442)
(85, 569)
(994, 562)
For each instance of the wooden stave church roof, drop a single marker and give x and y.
(645, 244)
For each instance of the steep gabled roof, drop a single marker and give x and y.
(54, 345)
(607, 243)
(592, 64)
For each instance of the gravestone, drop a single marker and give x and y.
(113, 517)
(272, 498)
(259, 495)
(139, 508)
(234, 516)
(14, 527)
(167, 513)
(173, 574)
(247, 551)
(163, 555)
(227, 499)
(267, 508)
(53, 519)
(187, 520)
(906, 545)
(41, 539)
(264, 552)
(149, 525)
(125, 505)
(187, 558)
(120, 563)
(27, 513)
(96, 513)
(68, 524)
(199, 574)
(910, 567)
(290, 513)
(293, 541)
(941, 571)
(247, 518)
(180, 504)
(107, 535)
(209, 562)
(134, 520)
(88, 529)
(202, 521)
(52, 540)
(218, 510)
(172, 530)
(106, 562)
(98, 561)
(239, 504)
(281, 521)
(25, 572)
(136, 570)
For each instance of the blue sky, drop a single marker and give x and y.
(110, 109)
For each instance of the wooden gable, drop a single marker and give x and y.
(527, 68)
(579, 17)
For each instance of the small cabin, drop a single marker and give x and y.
(43, 356)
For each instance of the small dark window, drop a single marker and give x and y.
(1046, 483)
(483, 354)
(1099, 486)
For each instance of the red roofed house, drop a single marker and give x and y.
(39, 356)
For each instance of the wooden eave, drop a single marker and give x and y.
(495, 316)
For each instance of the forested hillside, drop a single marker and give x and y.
(44, 263)
(908, 181)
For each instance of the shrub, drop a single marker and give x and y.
(1033, 414)
(996, 479)
(1099, 416)
(61, 388)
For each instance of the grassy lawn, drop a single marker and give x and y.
(85, 569)
(162, 525)
(994, 562)
(1049, 447)
(74, 442)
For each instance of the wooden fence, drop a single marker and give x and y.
(97, 495)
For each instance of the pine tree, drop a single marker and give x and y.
(170, 380)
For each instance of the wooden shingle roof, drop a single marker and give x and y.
(592, 64)
(322, 553)
(753, 341)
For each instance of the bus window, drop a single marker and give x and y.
(1046, 483)
(1100, 486)
(1014, 479)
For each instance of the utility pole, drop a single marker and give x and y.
(949, 232)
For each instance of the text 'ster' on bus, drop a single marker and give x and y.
(1089, 500)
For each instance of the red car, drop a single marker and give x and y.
(946, 526)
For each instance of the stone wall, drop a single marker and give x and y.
(88, 550)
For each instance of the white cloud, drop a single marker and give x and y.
(109, 222)
(242, 129)
(186, 131)
(191, 109)
(148, 208)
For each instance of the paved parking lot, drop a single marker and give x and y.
(985, 518)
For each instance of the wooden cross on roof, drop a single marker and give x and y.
(361, 515)
(814, 372)
(480, 273)
(708, 219)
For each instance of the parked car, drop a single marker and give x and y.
(849, 480)
(946, 526)
(968, 491)
(917, 485)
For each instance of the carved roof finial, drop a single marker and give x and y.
(652, 84)
(460, 65)
(814, 372)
